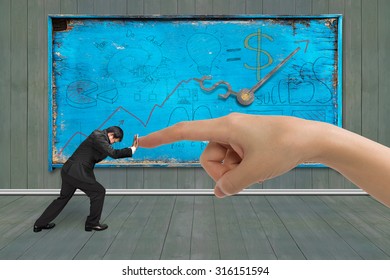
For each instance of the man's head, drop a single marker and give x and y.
(115, 134)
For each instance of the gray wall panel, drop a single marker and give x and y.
(384, 70)
(36, 106)
(19, 79)
(5, 93)
(23, 84)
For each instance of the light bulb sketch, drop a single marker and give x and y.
(203, 49)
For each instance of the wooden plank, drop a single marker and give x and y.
(220, 7)
(377, 215)
(287, 7)
(374, 211)
(18, 217)
(230, 240)
(322, 223)
(283, 244)
(132, 229)
(203, 180)
(186, 7)
(204, 239)
(5, 93)
(169, 7)
(102, 7)
(314, 236)
(177, 245)
(152, 7)
(320, 6)
(336, 6)
(186, 178)
(118, 178)
(151, 242)
(374, 205)
(97, 246)
(27, 238)
(254, 6)
(358, 218)
(303, 178)
(5, 200)
(70, 231)
(320, 176)
(271, 6)
(203, 7)
(353, 69)
(305, 7)
(152, 178)
(135, 7)
(85, 7)
(18, 94)
(36, 93)
(256, 242)
(67, 224)
(370, 60)
(68, 6)
(236, 7)
(134, 178)
(52, 179)
(169, 178)
(336, 180)
(274, 183)
(118, 7)
(358, 242)
(384, 71)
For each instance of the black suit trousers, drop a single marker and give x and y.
(95, 191)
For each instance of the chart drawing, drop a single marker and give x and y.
(146, 73)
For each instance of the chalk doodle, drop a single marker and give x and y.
(144, 74)
(259, 51)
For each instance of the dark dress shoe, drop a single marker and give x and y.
(98, 227)
(48, 226)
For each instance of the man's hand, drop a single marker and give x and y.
(135, 141)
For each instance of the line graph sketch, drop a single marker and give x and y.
(143, 74)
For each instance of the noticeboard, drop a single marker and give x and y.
(146, 73)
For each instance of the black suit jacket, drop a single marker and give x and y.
(91, 151)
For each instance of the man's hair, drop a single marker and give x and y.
(118, 132)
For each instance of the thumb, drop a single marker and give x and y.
(236, 179)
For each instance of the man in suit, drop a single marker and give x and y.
(77, 173)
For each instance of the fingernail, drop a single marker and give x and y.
(218, 192)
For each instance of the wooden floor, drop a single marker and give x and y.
(201, 227)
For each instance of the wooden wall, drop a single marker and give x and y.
(23, 84)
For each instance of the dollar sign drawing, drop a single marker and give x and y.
(259, 51)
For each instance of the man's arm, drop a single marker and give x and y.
(101, 144)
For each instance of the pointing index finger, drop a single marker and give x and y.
(202, 130)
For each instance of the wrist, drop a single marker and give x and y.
(325, 143)
(314, 141)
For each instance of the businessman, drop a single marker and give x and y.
(77, 173)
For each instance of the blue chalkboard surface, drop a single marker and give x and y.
(147, 73)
